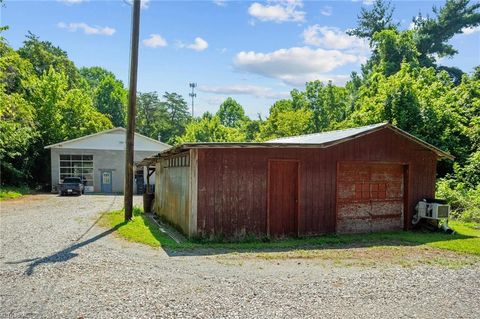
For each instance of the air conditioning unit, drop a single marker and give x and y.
(431, 209)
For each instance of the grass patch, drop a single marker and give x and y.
(142, 230)
(11, 192)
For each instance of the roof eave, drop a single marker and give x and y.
(178, 149)
(60, 144)
(440, 153)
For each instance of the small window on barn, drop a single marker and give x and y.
(178, 161)
(367, 191)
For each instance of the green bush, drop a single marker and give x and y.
(464, 201)
(11, 192)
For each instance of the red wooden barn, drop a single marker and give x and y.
(349, 181)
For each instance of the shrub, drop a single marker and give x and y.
(464, 201)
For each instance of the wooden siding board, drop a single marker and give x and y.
(216, 226)
(233, 190)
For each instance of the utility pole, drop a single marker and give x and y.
(132, 100)
(193, 95)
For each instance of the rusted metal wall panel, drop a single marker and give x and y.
(232, 183)
(172, 194)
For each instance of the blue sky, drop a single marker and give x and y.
(255, 52)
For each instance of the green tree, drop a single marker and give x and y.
(94, 75)
(178, 114)
(432, 34)
(210, 129)
(231, 113)
(379, 18)
(43, 55)
(152, 115)
(285, 120)
(63, 114)
(17, 133)
(252, 128)
(60, 114)
(328, 104)
(48, 96)
(79, 116)
(393, 49)
(14, 70)
(110, 98)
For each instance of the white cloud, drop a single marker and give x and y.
(87, 29)
(365, 2)
(72, 1)
(333, 38)
(296, 65)
(214, 100)
(471, 30)
(326, 11)
(255, 90)
(198, 45)
(155, 41)
(220, 3)
(278, 11)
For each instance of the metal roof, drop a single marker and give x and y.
(326, 137)
(317, 140)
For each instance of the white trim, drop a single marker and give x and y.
(61, 144)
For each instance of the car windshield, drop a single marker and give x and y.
(72, 180)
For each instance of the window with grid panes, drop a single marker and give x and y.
(77, 166)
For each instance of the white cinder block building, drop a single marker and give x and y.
(99, 159)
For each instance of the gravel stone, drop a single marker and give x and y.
(56, 263)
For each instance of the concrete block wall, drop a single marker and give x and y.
(113, 160)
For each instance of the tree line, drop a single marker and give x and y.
(46, 99)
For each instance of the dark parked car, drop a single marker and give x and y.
(71, 186)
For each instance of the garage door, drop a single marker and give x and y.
(370, 197)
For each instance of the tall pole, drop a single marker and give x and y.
(193, 95)
(132, 100)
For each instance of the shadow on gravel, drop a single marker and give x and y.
(63, 255)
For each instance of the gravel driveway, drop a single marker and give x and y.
(55, 263)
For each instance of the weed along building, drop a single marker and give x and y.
(99, 159)
(356, 180)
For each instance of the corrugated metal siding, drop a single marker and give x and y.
(232, 182)
(172, 196)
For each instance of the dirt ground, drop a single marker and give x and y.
(56, 262)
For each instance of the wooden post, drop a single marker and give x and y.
(148, 179)
(132, 99)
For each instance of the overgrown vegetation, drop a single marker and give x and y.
(464, 201)
(45, 99)
(142, 230)
(10, 192)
